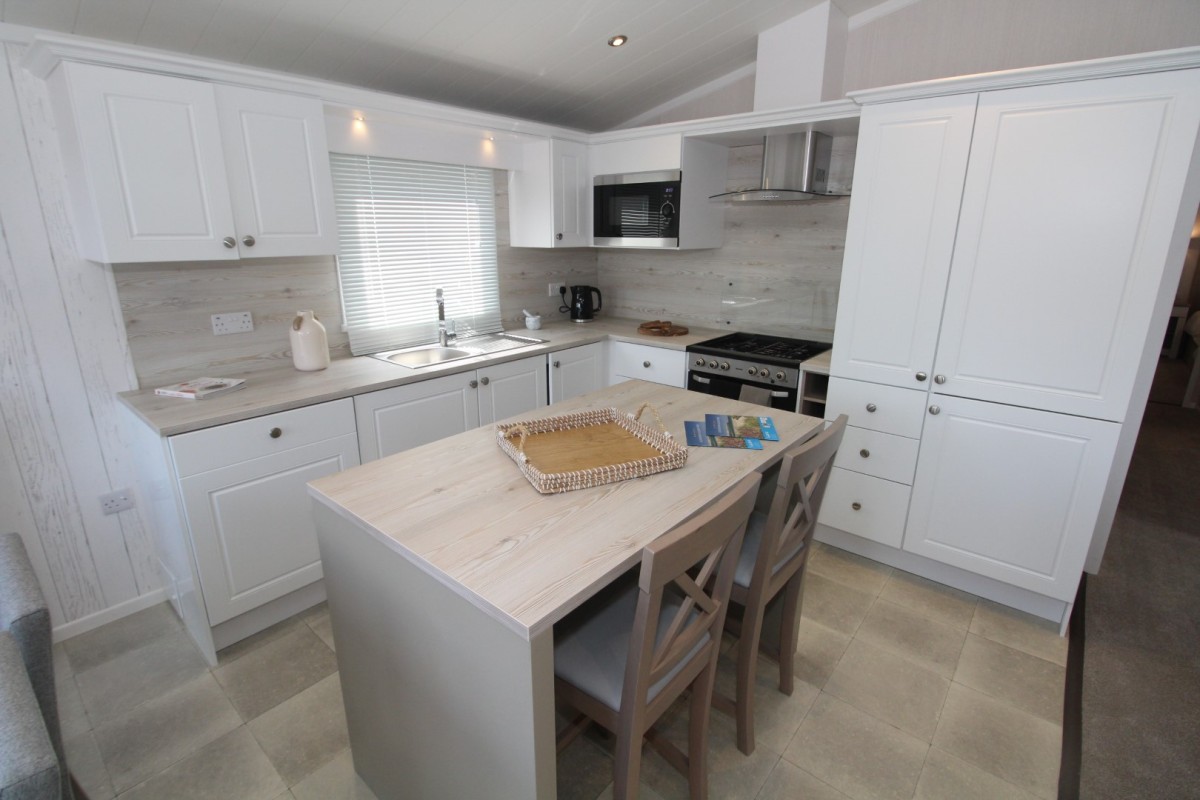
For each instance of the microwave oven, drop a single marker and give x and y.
(639, 209)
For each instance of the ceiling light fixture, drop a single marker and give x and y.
(618, 40)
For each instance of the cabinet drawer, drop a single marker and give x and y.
(223, 445)
(658, 364)
(898, 411)
(883, 455)
(882, 506)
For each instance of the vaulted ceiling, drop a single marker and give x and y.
(545, 60)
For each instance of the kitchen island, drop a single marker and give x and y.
(446, 572)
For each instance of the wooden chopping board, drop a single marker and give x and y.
(660, 327)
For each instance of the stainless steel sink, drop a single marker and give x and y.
(430, 354)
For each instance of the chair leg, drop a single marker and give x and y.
(698, 716)
(747, 660)
(627, 763)
(789, 631)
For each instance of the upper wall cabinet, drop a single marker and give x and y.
(168, 169)
(550, 198)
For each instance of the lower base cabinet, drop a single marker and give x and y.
(632, 361)
(575, 371)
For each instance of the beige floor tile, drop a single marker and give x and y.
(303, 733)
(948, 778)
(262, 638)
(856, 753)
(777, 716)
(120, 684)
(337, 780)
(833, 604)
(584, 770)
(86, 764)
(1001, 739)
(1027, 682)
(158, 733)
(818, 650)
(322, 626)
(277, 670)
(930, 599)
(232, 766)
(789, 782)
(849, 569)
(644, 793)
(72, 715)
(95, 647)
(1020, 631)
(920, 639)
(891, 688)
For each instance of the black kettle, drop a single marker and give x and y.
(581, 303)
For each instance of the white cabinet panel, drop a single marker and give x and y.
(883, 455)
(576, 371)
(627, 360)
(1010, 493)
(1067, 215)
(643, 154)
(572, 194)
(866, 506)
(407, 416)
(550, 196)
(512, 388)
(909, 171)
(877, 407)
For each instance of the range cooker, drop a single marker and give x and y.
(760, 368)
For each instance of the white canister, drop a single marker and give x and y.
(310, 346)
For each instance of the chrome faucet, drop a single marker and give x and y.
(443, 335)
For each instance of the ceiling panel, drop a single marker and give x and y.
(540, 59)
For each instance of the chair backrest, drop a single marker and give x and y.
(792, 515)
(692, 566)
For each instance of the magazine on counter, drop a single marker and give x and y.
(199, 388)
(697, 436)
(744, 427)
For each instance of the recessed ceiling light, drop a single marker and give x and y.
(618, 40)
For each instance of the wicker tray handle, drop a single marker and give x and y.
(524, 432)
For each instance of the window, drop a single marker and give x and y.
(407, 229)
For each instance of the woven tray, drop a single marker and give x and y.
(589, 448)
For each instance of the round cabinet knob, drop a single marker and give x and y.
(485, 381)
(558, 236)
(935, 410)
(646, 364)
(248, 240)
(921, 376)
(229, 242)
(871, 408)
(557, 364)
(865, 453)
(857, 506)
(939, 379)
(276, 433)
(725, 365)
(474, 384)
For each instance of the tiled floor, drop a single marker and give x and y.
(907, 689)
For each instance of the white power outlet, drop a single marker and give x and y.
(233, 322)
(114, 502)
(553, 287)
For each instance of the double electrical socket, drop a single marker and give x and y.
(116, 501)
(552, 289)
(233, 322)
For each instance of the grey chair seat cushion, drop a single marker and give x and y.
(591, 646)
(749, 554)
(28, 764)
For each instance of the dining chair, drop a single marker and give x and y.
(627, 653)
(772, 560)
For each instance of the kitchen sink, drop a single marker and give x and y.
(429, 354)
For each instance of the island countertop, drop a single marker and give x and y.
(461, 511)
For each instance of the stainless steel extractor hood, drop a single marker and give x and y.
(795, 167)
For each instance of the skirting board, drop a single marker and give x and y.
(110, 614)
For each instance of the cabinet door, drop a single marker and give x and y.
(511, 388)
(1010, 493)
(252, 526)
(572, 194)
(279, 177)
(576, 371)
(396, 419)
(1068, 213)
(146, 165)
(910, 164)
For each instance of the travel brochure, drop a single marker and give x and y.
(724, 430)
(199, 388)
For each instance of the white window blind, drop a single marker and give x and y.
(406, 229)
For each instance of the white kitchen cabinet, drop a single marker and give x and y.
(550, 198)
(1010, 493)
(637, 154)
(161, 168)
(576, 371)
(629, 360)
(396, 419)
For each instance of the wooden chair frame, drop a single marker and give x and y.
(791, 517)
(712, 540)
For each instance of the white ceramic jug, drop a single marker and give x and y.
(310, 346)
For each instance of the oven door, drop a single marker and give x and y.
(764, 393)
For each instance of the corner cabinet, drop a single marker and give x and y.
(161, 168)
(575, 371)
(550, 197)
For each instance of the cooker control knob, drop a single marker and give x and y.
(752, 372)
(712, 364)
(699, 362)
(779, 375)
(724, 365)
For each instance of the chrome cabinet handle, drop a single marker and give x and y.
(935, 410)
(474, 384)
(485, 381)
(865, 453)
(556, 364)
(276, 433)
(229, 242)
(939, 379)
(857, 506)
(921, 376)
(248, 240)
(871, 408)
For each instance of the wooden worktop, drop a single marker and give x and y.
(462, 511)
